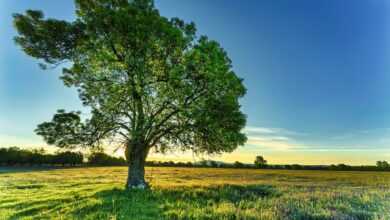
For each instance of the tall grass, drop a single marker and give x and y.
(194, 193)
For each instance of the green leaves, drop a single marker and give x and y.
(144, 77)
(51, 40)
(65, 130)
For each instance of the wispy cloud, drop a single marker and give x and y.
(260, 130)
(273, 131)
(280, 139)
(264, 143)
(271, 138)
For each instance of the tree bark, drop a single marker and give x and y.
(136, 154)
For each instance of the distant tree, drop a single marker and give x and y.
(103, 159)
(296, 167)
(343, 167)
(179, 164)
(37, 158)
(260, 162)
(151, 82)
(383, 165)
(16, 155)
(3, 156)
(68, 158)
(170, 163)
(39, 151)
(238, 164)
(213, 163)
(151, 163)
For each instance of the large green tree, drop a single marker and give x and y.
(150, 82)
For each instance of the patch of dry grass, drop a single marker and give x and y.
(195, 193)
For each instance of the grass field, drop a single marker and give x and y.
(194, 193)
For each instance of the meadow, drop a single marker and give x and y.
(194, 193)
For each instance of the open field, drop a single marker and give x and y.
(194, 193)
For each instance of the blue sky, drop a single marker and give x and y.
(317, 74)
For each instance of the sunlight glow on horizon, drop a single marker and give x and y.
(268, 142)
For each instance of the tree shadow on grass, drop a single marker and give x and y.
(172, 203)
(311, 213)
(214, 202)
(36, 209)
(197, 202)
(221, 193)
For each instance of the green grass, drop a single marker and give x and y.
(194, 193)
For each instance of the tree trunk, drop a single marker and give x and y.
(136, 156)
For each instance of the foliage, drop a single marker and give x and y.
(238, 164)
(384, 165)
(103, 159)
(72, 158)
(17, 156)
(149, 81)
(195, 193)
(260, 162)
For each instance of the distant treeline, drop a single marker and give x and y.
(382, 166)
(15, 156)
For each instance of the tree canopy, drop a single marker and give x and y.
(260, 161)
(149, 81)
